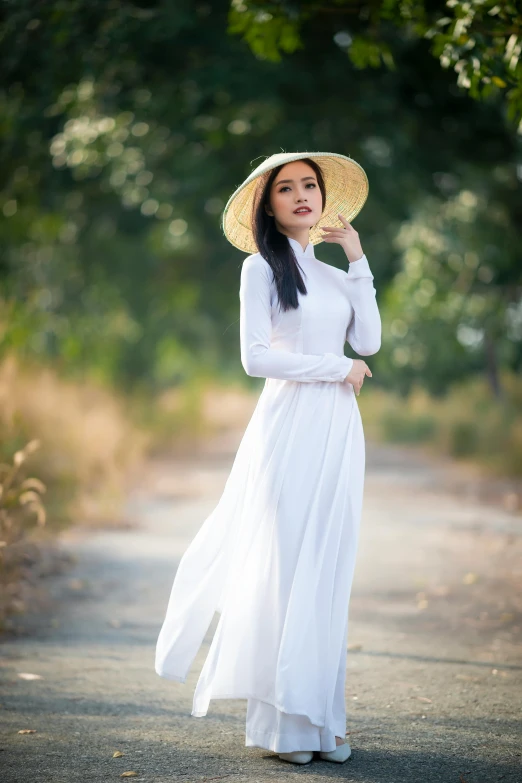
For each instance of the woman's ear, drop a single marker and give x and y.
(268, 210)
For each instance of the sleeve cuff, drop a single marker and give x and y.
(347, 364)
(359, 268)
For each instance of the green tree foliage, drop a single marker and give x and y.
(457, 297)
(481, 40)
(125, 129)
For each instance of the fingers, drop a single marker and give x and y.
(340, 229)
(346, 225)
(336, 233)
(358, 382)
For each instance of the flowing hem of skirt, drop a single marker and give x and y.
(203, 711)
(280, 732)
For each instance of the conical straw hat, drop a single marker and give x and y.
(346, 186)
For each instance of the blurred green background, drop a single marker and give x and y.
(124, 129)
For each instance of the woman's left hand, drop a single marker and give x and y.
(346, 236)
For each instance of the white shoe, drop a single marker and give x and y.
(297, 756)
(340, 754)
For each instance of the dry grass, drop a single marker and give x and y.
(468, 423)
(181, 418)
(87, 440)
(66, 449)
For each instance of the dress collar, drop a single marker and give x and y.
(308, 252)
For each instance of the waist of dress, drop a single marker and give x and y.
(280, 383)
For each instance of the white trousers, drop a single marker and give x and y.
(281, 732)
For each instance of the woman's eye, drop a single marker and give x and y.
(287, 187)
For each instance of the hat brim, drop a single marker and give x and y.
(346, 187)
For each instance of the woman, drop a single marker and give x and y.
(277, 554)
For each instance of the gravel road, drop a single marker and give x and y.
(434, 668)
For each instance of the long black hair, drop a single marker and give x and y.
(273, 245)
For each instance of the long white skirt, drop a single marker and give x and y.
(276, 558)
(281, 732)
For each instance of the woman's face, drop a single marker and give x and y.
(296, 201)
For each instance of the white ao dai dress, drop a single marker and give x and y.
(276, 556)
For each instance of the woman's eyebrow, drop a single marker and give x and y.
(291, 180)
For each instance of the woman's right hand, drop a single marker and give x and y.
(357, 374)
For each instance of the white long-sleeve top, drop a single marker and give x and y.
(307, 344)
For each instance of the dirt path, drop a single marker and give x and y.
(434, 681)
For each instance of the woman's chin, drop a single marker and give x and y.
(302, 222)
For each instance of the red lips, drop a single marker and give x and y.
(304, 210)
